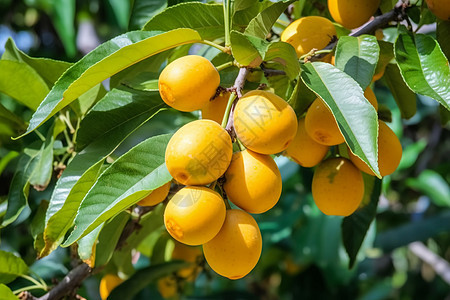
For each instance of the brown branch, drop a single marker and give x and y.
(69, 284)
(237, 88)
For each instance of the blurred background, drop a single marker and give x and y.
(405, 254)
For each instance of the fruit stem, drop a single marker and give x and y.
(228, 109)
(217, 46)
(240, 145)
(227, 19)
(225, 65)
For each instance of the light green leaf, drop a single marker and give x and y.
(433, 185)
(43, 170)
(63, 16)
(247, 50)
(282, 56)
(6, 293)
(358, 57)
(50, 70)
(243, 4)
(118, 107)
(87, 246)
(12, 267)
(260, 25)
(423, 66)
(242, 17)
(133, 175)
(356, 117)
(108, 238)
(21, 82)
(37, 226)
(143, 10)
(105, 61)
(85, 101)
(206, 19)
(405, 98)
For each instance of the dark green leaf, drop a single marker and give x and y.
(119, 106)
(133, 176)
(144, 10)
(37, 226)
(358, 57)
(405, 98)
(121, 11)
(433, 185)
(12, 267)
(21, 82)
(345, 98)
(105, 61)
(242, 18)
(260, 25)
(423, 66)
(411, 153)
(355, 226)
(282, 56)
(63, 16)
(443, 37)
(413, 231)
(206, 19)
(243, 4)
(142, 278)
(301, 98)
(43, 170)
(13, 122)
(109, 236)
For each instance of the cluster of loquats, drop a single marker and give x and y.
(338, 186)
(200, 158)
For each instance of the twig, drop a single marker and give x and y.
(69, 283)
(439, 265)
(237, 89)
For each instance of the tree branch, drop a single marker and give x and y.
(69, 283)
(236, 88)
(439, 265)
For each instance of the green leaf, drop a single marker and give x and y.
(247, 50)
(121, 10)
(5, 160)
(42, 173)
(355, 226)
(301, 97)
(103, 62)
(37, 226)
(21, 82)
(282, 56)
(411, 153)
(66, 199)
(143, 10)
(87, 246)
(443, 37)
(133, 175)
(387, 5)
(142, 278)
(358, 57)
(345, 98)
(118, 107)
(243, 4)
(420, 230)
(12, 267)
(433, 185)
(50, 70)
(386, 56)
(404, 97)
(85, 101)
(206, 19)
(6, 293)
(423, 66)
(63, 16)
(260, 25)
(11, 120)
(108, 238)
(18, 192)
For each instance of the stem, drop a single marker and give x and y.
(240, 145)
(217, 46)
(27, 288)
(37, 283)
(227, 204)
(40, 135)
(317, 52)
(228, 109)
(225, 65)
(227, 19)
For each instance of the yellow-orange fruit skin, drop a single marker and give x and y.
(370, 95)
(157, 196)
(389, 152)
(352, 13)
(194, 215)
(253, 181)
(188, 83)
(337, 187)
(199, 153)
(304, 150)
(440, 8)
(236, 249)
(188, 254)
(321, 125)
(107, 284)
(215, 109)
(307, 33)
(167, 287)
(264, 122)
